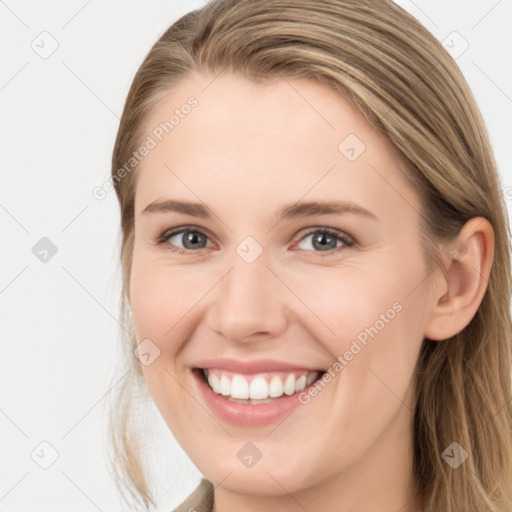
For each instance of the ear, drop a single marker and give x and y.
(461, 289)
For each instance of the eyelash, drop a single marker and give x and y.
(346, 239)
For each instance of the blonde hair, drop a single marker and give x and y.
(403, 81)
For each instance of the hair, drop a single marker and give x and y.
(399, 76)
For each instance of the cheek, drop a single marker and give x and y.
(338, 304)
(161, 299)
(162, 307)
(369, 321)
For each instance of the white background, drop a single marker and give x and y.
(59, 327)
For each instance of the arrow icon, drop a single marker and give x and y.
(146, 352)
(44, 455)
(454, 455)
(249, 249)
(351, 147)
(450, 455)
(45, 252)
(249, 455)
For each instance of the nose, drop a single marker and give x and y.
(250, 303)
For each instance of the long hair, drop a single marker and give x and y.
(406, 85)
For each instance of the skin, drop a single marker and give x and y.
(246, 151)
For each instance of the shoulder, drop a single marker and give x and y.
(201, 499)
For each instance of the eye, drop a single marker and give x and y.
(191, 239)
(326, 241)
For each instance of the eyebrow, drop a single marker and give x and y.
(296, 210)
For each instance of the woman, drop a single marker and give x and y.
(316, 264)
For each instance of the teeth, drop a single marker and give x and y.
(311, 378)
(276, 387)
(214, 382)
(239, 387)
(225, 386)
(261, 387)
(289, 384)
(301, 383)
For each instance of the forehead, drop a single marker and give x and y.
(260, 145)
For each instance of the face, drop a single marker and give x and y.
(307, 319)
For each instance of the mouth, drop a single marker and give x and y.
(255, 393)
(257, 388)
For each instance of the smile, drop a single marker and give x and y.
(253, 393)
(257, 388)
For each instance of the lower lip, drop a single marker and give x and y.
(246, 415)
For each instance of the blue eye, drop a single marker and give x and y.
(191, 239)
(327, 240)
(324, 240)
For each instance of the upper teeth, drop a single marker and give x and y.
(260, 386)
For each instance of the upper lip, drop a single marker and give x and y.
(248, 367)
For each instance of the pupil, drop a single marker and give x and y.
(192, 238)
(321, 241)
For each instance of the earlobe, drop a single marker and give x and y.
(469, 260)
